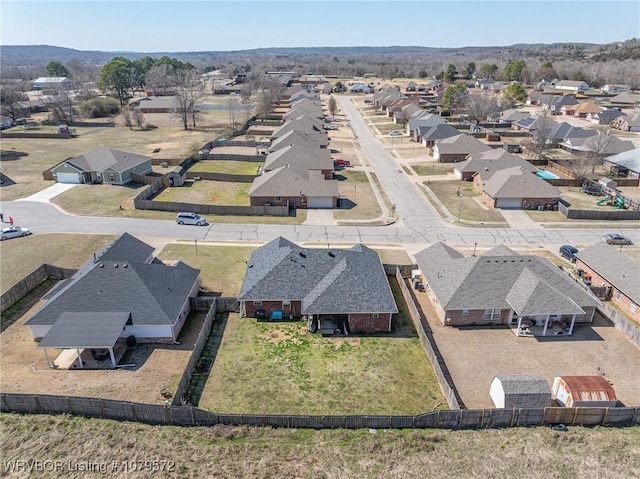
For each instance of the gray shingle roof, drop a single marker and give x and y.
(461, 143)
(437, 132)
(300, 158)
(153, 293)
(126, 248)
(529, 384)
(616, 267)
(493, 160)
(304, 124)
(293, 182)
(629, 159)
(102, 158)
(327, 281)
(491, 282)
(85, 330)
(516, 183)
(296, 137)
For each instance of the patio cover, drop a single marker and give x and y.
(85, 330)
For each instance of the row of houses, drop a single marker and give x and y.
(298, 168)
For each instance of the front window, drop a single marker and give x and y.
(278, 198)
(286, 305)
(491, 314)
(465, 312)
(375, 315)
(618, 294)
(257, 303)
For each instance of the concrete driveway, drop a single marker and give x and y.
(52, 191)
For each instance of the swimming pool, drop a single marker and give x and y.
(546, 175)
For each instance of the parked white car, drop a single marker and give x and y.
(190, 219)
(14, 232)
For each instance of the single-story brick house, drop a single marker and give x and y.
(613, 269)
(155, 104)
(345, 289)
(491, 160)
(123, 292)
(301, 157)
(457, 148)
(502, 287)
(300, 138)
(515, 188)
(102, 165)
(288, 186)
(625, 164)
(627, 122)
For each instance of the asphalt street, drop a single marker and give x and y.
(418, 224)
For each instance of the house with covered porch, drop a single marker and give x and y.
(331, 288)
(501, 287)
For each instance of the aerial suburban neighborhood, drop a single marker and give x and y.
(260, 244)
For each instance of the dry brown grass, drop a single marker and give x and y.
(232, 452)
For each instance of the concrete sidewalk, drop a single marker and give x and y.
(52, 191)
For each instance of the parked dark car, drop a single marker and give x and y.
(614, 238)
(569, 252)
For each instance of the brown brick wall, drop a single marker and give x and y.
(269, 306)
(293, 201)
(474, 317)
(624, 303)
(365, 323)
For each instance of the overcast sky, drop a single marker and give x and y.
(208, 25)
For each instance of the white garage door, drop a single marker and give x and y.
(68, 178)
(320, 202)
(509, 203)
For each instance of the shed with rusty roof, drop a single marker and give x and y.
(583, 391)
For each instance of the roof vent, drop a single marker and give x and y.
(102, 265)
(115, 265)
(125, 265)
(331, 254)
(302, 254)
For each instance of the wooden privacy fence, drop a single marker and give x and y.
(426, 336)
(24, 286)
(144, 204)
(622, 324)
(183, 385)
(232, 157)
(192, 416)
(221, 177)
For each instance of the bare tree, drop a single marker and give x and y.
(235, 115)
(598, 146)
(270, 91)
(482, 105)
(158, 79)
(333, 106)
(126, 116)
(188, 96)
(138, 118)
(542, 133)
(61, 108)
(10, 98)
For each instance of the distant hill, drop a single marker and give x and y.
(26, 55)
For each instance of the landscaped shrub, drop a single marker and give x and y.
(99, 107)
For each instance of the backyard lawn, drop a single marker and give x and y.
(208, 193)
(281, 368)
(223, 166)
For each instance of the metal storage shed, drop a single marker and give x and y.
(583, 391)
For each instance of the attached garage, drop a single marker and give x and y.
(320, 202)
(74, 178)
(509, 203)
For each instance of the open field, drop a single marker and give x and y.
(23, 255)
(466, 206)
(281, 368)
(232, 452)
(24, 160)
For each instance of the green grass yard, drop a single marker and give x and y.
(280, 368)
(230, 167)
(466, 205)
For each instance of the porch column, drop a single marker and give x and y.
(46, 356)
(573, 321)
(113, 359)
(519, 325)
(546, 323)
(79, 358)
